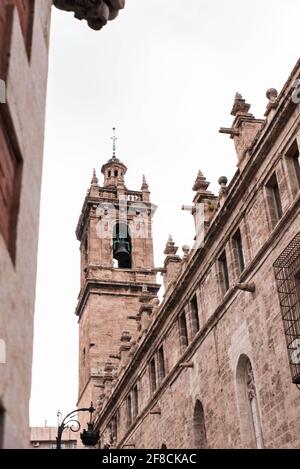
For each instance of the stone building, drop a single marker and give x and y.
(45, 438)
(216, 363)
(24, 40)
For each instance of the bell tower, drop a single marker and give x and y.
(116, 250)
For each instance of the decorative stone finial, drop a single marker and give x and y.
(201, 184)
(94, 181)
(186, 249)
(272, 95)
(240, 106)
(170, 249)
(145, 186)
(223, 181)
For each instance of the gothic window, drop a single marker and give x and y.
(129, 411)
(85, 252)
(274, 200)
(113, 429)
(238, 251)
(152, 375)
(200, 441)
(293, 167)
(194, 315)
(251, 433)
(122, 246)
(135, 395)
(223, 268)
(183, 332)
(161, 364)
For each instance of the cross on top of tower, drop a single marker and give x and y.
(114, 139)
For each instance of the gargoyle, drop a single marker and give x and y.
(96, 12)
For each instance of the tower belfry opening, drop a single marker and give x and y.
(122, 246)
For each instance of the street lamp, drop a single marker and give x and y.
(88, 437)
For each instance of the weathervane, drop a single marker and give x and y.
(114, 139)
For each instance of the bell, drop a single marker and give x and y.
(121, 250)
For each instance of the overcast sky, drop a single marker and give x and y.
(165, 73)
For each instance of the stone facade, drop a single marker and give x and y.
(24, 37)
(208, 367)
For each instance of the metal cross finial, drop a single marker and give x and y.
(114, 139)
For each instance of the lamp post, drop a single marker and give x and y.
(88, 437)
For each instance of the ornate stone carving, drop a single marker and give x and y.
(96, 12)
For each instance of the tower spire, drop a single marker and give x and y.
(114, 139)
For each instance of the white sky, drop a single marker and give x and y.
(164, 73)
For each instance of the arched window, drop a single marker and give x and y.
(251, 433)
(109, 174)
(122, 247)
(199, 427)
(116, 173)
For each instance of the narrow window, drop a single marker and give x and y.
(161, 364)
(152, 371)
(109, 174)
(248, 405)
(224, 271)
(116, 173)
(183, 332)
(135, 402)
(293, 166)
(114, 430)
(194, 315)
(274, 200)
(239, 251)
(296, 161)
(199, 427)
(129, 411)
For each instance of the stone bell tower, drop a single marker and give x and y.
(116, 246)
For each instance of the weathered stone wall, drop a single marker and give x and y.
(25, 74)
(241, 407)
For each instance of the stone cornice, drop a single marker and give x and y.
(106, 287)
